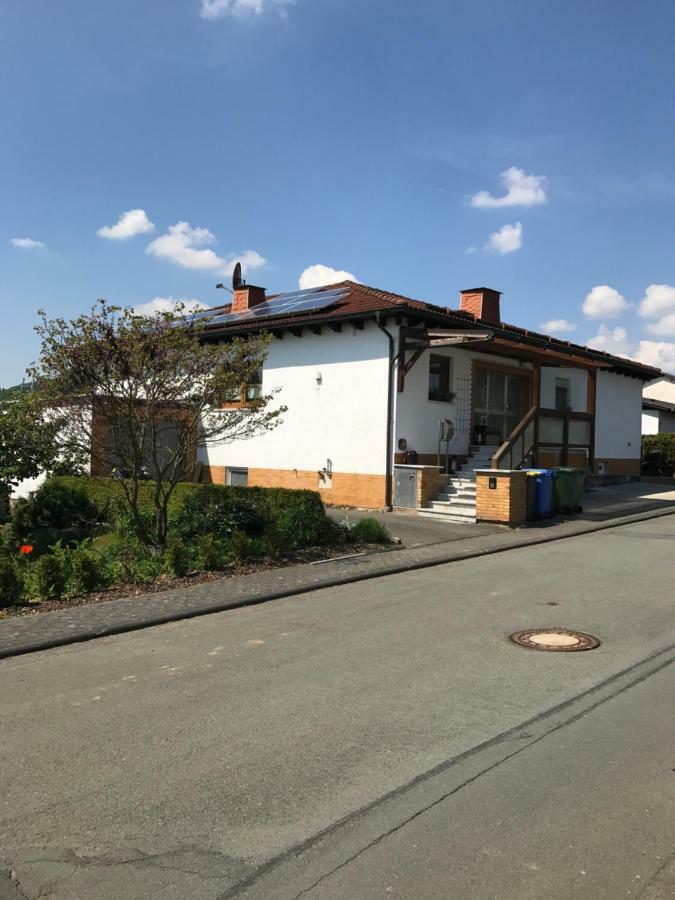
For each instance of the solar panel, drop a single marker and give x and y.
(289, 304)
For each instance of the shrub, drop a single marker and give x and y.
(11, 586)
(241, 548)
(86, 572)
(49, 576)
(54, 512)
(178, 559)
(219, 511)
(371, 531)
(212, 553)
(658, 454)
(286, 519)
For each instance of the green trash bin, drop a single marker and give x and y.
(569, 489)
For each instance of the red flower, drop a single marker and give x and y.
(26, 549)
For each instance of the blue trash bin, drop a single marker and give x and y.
(543, 492)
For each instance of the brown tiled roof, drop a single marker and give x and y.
(363, 301)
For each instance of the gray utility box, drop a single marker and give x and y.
(405, 486)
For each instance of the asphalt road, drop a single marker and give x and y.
(379, 739)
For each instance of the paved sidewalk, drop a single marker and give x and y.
(26, 634)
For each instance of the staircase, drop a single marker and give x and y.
(457, 500)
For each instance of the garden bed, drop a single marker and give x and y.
(168, 583)
(72, 543)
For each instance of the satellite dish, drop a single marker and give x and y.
(236, 277)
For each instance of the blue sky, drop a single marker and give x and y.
(343, 134)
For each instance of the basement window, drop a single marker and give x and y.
(440, 378)
(237, 477)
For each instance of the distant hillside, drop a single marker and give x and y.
(8, 393)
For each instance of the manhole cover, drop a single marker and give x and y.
(554, 639)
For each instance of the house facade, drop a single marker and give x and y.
(658, 406)
(375, 382)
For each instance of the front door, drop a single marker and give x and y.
(497, 403)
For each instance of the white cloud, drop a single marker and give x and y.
(603, 302)
(27, 244)
(189, 247)
(318, 276)
(657, 353)
(507, 239)
(660, 354)
(521, 190)
(219, 9)
(658, 299)
(611, 340)
(167, 304)
(557, 326)
(129, 224)
(664, 327)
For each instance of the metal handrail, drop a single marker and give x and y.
(511, 443)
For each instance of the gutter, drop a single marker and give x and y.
(379, 318)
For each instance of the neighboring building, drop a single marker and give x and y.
(658, 406)
(368, 376)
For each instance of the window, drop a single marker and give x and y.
(246, 392)
(563, 392)
(254, 386)
(440, 377)
(237, 477)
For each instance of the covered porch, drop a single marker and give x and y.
(536, 405)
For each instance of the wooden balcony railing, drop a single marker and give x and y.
(520, 444)
(561, 436)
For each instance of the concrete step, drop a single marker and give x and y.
(447, 517)
(466, 491)
(457, 507)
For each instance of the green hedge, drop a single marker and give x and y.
(72, 509)
(658, 454)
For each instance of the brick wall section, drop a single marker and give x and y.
(347, 488)
(429, 484)
(507, 503)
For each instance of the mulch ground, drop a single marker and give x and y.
(167, 582)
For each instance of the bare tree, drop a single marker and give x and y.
(142, 394)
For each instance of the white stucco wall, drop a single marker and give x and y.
(417, 417)
(660, 389)
(618, 417)
(650, 421)
(578, 379)
(343, 418)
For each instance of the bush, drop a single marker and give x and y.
(219, 511)
(86, 572)
(275, 519)
(49, 576)
(56, 511)
(11, 586)
(212, 553)
(371, 531)
(241, 548)
(658, 454)
(178, 559)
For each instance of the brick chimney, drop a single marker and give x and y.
(246, 296)
(482, 302)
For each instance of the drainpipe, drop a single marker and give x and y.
(379, 318)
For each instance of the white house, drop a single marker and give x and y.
(371, 378)
(658, 406)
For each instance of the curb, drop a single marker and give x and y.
(88, 634)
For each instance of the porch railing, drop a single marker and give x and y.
(520, 444)
(548, 437)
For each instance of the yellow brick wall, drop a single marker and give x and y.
(507, 503)
(347, 489)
